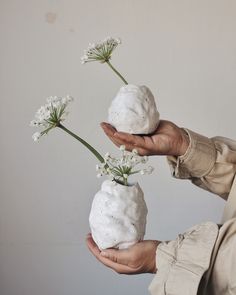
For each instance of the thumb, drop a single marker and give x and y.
(117, 256)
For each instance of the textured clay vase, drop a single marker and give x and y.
(118, 215)
(134, 110)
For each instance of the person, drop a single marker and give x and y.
(203, 259)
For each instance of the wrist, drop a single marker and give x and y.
(153, 268)
(185, 140)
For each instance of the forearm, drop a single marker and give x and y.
(208, 163)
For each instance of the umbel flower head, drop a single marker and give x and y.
(119, 169)
(102, 52)
(50, 115)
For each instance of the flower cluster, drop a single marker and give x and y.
(119, 169)
(50, 115)
(100, 51)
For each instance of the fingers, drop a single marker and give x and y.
(118, 256)
(132, 142)
(110, 131)
(110, 260)
(92, 246)
(122, 138)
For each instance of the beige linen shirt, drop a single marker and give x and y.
(202, 260)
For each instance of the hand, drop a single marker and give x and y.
(168, 139)
(139, 258)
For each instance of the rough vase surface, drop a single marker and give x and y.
(118, 215)
(134, 110)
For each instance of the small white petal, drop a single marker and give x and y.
(134, 152)
(34, 123)
(144, 159)
(150, 169)
(36, 136)
(107, 155)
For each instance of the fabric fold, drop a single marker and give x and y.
(181, 263)
(198, 160)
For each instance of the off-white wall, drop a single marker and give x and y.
(185, 51)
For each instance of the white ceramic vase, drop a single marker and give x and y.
(118, 215)
(133, 110)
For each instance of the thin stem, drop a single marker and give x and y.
(88, 146)
(134, 172)
(111, 66)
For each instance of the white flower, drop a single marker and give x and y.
(144, 159)
(36, 136)
(107, 156)
(134, 152)
(50, 115)
(119, 169)
(100, 51)
(148, 170)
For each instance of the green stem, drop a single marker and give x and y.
(88, 146)
(117, 73)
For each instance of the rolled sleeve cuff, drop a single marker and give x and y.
(198, 160)
(181, 263)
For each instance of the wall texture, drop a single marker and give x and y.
(185, 51)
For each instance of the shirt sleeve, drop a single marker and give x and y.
(181, 263)
(209, 163)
